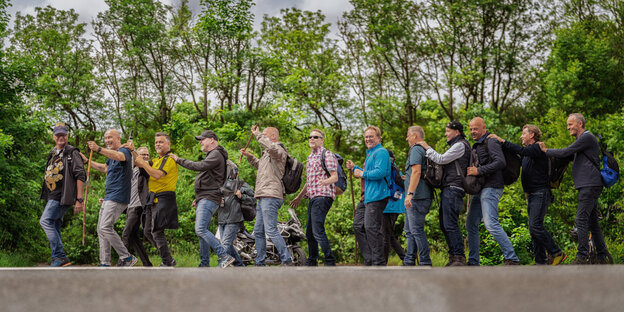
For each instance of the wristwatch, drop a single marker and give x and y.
(99, 149)
(410, 193)
(80, 200)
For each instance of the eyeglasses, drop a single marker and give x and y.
(144, 154)
(316, 137)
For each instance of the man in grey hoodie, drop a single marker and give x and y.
(587, 180)
(210, 177)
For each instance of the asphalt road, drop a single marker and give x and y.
(525, 288)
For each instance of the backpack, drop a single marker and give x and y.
(610, 171)
(472, 184)
(433, 173)
(556, 169)
(396, 184)
(341, 185)
(511, 172)
(231, 185)
(292, 174)
(248, 208)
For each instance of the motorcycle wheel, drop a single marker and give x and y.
(298, 256)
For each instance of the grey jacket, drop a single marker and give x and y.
(586, 153)
(230, 212)
(211, 174)
(72, 172)
(271, 167)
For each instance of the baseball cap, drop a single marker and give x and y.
(455, 125)
(207, 134)
(59, 128)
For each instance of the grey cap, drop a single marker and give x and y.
(207, 134)
(59, 128)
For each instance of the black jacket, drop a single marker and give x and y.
(450, 176)
(165, 212)
(72, 172)
(211, 174)
(534, 166)
(491, 161)
(230, 212)
(586, 153)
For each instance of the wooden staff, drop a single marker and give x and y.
(244, 149)
(353, 203)
(84, 205)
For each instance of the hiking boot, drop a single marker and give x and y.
(172, 264)
(458, 260)
(129, 261)
(288, 264)
(450, 260)
(511, 262)
(604, 259)
(580, 261)
(557, 258)
(60, 262)
(226, 261)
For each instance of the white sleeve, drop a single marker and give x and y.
(456, 151)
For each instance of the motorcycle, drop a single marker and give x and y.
(291, 232)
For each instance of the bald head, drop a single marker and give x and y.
(112, 139)
(271, 133)
(477, 128)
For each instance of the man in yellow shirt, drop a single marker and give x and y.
(161, 209)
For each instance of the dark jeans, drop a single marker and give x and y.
(537, 206)
(387, 228)
(587, 220)
(157, 237)
(131, 236)
(360, 233)
(450, 207)
(315, 231)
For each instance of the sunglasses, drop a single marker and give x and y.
(316, 137)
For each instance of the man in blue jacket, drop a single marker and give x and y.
(376, 193)
(484, 205)
(588, 181)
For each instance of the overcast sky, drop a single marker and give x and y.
(88, 9)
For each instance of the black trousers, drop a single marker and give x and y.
(131, 235)
(387, 228)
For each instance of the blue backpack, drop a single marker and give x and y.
(610, 171)
(341, 184)
(396, 184)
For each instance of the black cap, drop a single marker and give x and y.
(207, 134)
(60, 128)
(455, 125)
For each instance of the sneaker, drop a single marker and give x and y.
(557, 258)
(511, 262)
(60, 262)
(172, 264)
(102, 265)
(129, 261)
(580, 261)
(226, 261)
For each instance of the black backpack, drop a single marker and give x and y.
(511, 172)
(433, 173)
(556, 169)
(292, 174)
(472, 184)
(341, 184)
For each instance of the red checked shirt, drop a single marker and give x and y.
(315, 173)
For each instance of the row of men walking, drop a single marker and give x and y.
(147, 190)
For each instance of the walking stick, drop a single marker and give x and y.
(84, 206)
(244, 149)
(355, 254)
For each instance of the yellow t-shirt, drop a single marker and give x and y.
(168, 181)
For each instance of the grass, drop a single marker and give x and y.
(14, 260)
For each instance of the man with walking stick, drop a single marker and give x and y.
(62, 187)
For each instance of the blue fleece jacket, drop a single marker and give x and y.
(377, 174)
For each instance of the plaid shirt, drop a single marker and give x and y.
(315, 173)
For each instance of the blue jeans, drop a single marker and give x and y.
(205, 209)
(485, 205)
(416, 218)
(537, 206)
(315, 231)
(228, 234)
(266, 221)
(410, 248)
(450, 208)
(51, 221)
